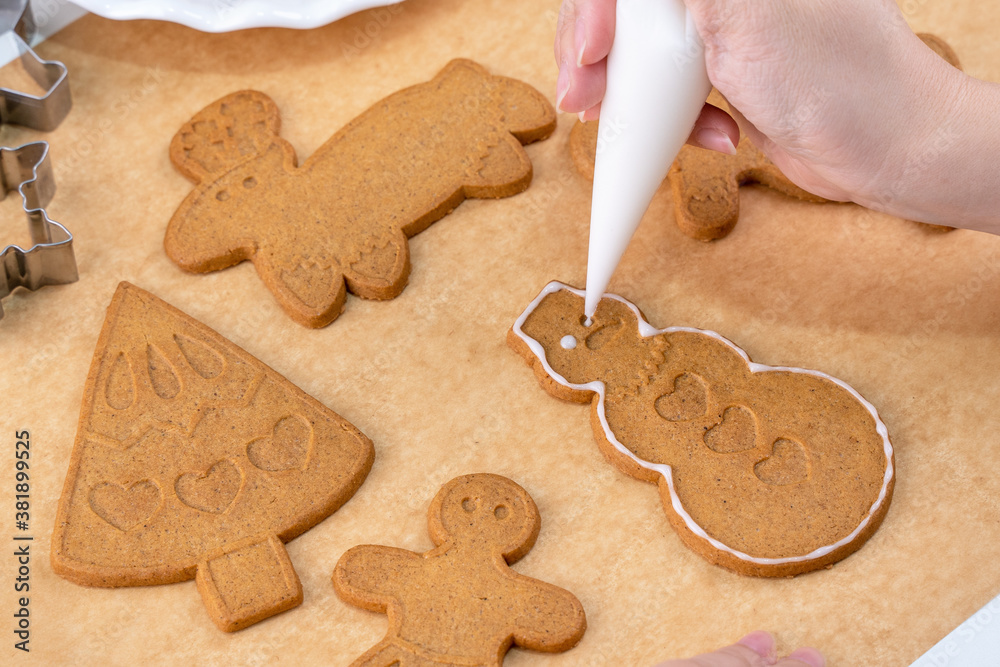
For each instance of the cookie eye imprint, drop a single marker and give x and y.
(501, 512)
(249, 182)
(222, 195)
(568, 342)
(469, 505)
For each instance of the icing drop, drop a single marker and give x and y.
(568, 342)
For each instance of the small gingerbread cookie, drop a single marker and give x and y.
(341, 220)
(767, 471)
(194, 459)
(460, 603)
(705, 184)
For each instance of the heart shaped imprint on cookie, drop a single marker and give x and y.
(214, 491)
(125, 507)
(286, 448)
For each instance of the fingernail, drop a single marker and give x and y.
(810, 656)
(716, 140)
(580, 40)
(562, 84)
(760, 642)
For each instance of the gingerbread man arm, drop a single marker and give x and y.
(368, 576)
(503, 171)
(554, 619)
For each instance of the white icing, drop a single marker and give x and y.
(568, 342)
(646, 330)
(656, 87)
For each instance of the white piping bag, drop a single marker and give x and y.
(657, 85)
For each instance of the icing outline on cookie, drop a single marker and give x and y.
(647, 330)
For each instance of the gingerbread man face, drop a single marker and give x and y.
(485, 512)
(460, 603)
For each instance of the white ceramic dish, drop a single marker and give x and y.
(227, 15)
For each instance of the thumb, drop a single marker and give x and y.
(803, 657)
(754, 650)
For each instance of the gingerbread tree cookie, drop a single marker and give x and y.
(768, 471)
(194, 459)
(460, 603)
(705, 184)
(341, 220)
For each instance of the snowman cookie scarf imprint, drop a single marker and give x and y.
(767, 471)
(195, 460)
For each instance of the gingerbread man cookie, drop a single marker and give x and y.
(705, 184)
(461, 603)
(341, 220)
(768, 471)
(195, 460)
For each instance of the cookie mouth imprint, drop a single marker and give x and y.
(647, 330)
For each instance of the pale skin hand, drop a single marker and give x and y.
(755, 650)
(840, 94)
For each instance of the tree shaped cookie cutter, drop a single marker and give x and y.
(50, 259)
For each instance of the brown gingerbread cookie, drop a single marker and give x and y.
(194, 459)
(461, 603)
(343, 217)
(767, 471)
(705, 184)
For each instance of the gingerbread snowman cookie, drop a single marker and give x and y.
(767, 471)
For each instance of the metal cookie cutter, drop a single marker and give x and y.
(20, 108)
(50, 260)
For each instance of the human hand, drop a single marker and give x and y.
(755, 650)
(583, 39)
(839, 94)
